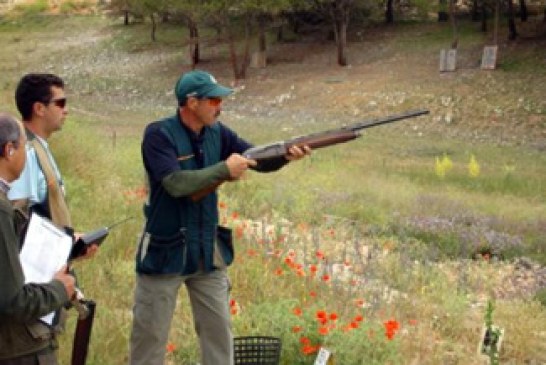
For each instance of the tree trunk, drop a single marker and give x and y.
(246, 52)
(342, 44)
(194, 43)
(497, 16)
(232, 51)
(262, 43)
(233, 57)
(484, 17)
(442, 13)
(453, 24)
(389, 12)
(126, 17)
(523, 10)
(280, 36)
(339, 11)
(154, 26)
(512, 32)
(475, 12)
(165, 17)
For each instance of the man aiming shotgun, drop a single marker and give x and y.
(186, 156)
(314, 141)
(182, 242)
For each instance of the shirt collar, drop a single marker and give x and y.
(195, 137)
(42, 141)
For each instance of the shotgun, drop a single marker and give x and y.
(314, 141)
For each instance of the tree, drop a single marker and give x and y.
(389, 12)
(523, 10)
(512, 32)
(339, 13)
(125, 7)
(442, 12)
(238, 19)
(191, 13)
(454, 26)
(264, 11)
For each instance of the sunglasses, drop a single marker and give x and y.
(61, 103)
(214, 101)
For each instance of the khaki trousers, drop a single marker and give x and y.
(155, 301)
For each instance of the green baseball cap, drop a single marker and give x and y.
(199, 84)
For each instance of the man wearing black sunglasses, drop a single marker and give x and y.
(41, 100)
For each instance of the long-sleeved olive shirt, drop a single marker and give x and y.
(21, 305)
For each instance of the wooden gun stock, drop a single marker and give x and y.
(83, 333)
(198, 195)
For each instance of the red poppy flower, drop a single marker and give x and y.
(170, 347)
(309, 350)
(321, 314)
(323, 330)
(296, 329)
(359, 318)
(326, 278)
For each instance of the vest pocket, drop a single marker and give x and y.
(223, 248)
(163, 254)
(39, 331)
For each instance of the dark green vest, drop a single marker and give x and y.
(180, 234)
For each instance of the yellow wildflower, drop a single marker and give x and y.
(443, 166)
(473, 167)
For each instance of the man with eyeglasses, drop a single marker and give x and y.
(41, 100)
(21, 305)
(184, 154)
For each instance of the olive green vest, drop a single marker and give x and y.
(180, 234)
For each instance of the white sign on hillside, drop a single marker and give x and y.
(489, 58)
(448, 60)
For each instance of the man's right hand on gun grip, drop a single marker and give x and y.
(67, 279)
(238, 164)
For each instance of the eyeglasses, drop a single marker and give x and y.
(61, 103)
(214, 101)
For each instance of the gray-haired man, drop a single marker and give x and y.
(21, 305)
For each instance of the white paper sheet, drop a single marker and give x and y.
(45, 251)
